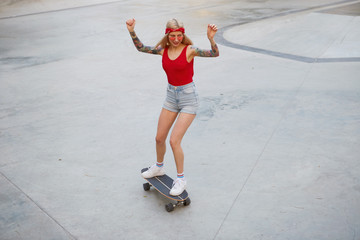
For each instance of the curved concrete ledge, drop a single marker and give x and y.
(294, 36)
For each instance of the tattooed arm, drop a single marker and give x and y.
(141, 47)
(214, 52)
(138, 44)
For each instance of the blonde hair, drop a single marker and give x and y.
(174, 24)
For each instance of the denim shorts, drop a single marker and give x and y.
(182, 98)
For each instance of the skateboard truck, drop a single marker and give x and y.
(170, 206)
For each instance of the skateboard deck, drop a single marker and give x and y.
(163, 185)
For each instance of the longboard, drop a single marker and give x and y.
(163, 185)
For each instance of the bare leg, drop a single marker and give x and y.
(166, 120)
(177, 134)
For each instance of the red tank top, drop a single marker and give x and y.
(179, 72)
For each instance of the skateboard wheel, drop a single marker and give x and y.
(187, 202)
(169, 207)
(146, 186)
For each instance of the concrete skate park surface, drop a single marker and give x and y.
(273, 153)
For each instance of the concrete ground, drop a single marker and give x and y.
(273, 153)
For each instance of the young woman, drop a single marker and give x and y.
(182, 100)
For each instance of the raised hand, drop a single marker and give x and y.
(211, 30)
(130, 24)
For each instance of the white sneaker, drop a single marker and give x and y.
(178, 187)
(153, 171)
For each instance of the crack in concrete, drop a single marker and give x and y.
(38, 205)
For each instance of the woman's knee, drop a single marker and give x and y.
(160, 139)
(175, 142)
